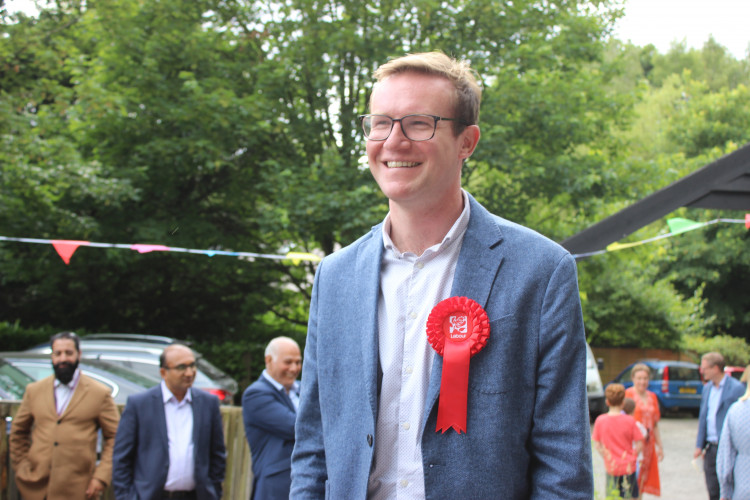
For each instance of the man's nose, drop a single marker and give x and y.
(397, 136)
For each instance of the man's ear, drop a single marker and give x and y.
(469, 141)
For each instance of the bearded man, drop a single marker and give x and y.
(53, 435)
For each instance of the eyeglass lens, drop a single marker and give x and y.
(182, 368)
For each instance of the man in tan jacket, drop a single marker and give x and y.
(53, 435)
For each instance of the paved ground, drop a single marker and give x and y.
(680, 479)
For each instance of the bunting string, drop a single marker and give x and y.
(66, 248)
(676, 225)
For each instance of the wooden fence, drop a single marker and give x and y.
(237, 483)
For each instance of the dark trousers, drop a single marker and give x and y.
(709, 468)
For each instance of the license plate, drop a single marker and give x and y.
(688, 390)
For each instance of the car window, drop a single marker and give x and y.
(626, 377)
(139, 378)
(684, 373)
(37, 371)
(151, 369)
(13, 380)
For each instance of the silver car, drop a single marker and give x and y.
(141, 353)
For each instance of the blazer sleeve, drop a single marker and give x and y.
(308, 458)
(124, 454)
(20, 431)
(560, 438)
(262, 409)
(108, 420)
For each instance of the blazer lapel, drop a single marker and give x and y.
(365, 293)
(50, 405)
(198, 426)
(161, 418)
(476, 270)
(480, 257)
(281, 395)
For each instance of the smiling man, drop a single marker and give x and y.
(372, 400)
(269, 409)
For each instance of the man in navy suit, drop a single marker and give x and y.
(719, 393)
(170, 441)
(367, 424)
(269, 409)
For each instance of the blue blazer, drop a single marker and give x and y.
(733, 390)
(269, 417)
(141, 455)
(528, 429)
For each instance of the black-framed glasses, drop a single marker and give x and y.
(414, 127)
(181, 368)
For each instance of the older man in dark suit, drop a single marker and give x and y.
(269, 408)
(170, 443)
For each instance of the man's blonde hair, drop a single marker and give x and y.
(468, 91)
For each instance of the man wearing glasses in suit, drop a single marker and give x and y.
(170, 442)
(371, 398)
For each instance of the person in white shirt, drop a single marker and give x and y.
(370, 421)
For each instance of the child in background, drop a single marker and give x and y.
(619, 440)
(628, 407)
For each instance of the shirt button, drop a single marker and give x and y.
(420, 265)
(404, 483)
(413, 315)
(409, 369)
(406, 426)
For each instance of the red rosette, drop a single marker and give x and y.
(457, 328)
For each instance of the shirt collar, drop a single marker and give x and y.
(455, 233)
(167, 395)
(277, 385)
(73, 382)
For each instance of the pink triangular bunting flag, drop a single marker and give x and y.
(66, 248)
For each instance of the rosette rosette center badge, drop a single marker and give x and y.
(457, 328)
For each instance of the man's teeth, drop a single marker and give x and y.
(401, 164)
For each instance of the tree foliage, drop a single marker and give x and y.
(229, 125)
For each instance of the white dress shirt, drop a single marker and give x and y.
(64, 392)
(410, 286)
(714, 398)
(179, 415)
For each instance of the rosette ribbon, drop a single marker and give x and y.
(457, 328)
